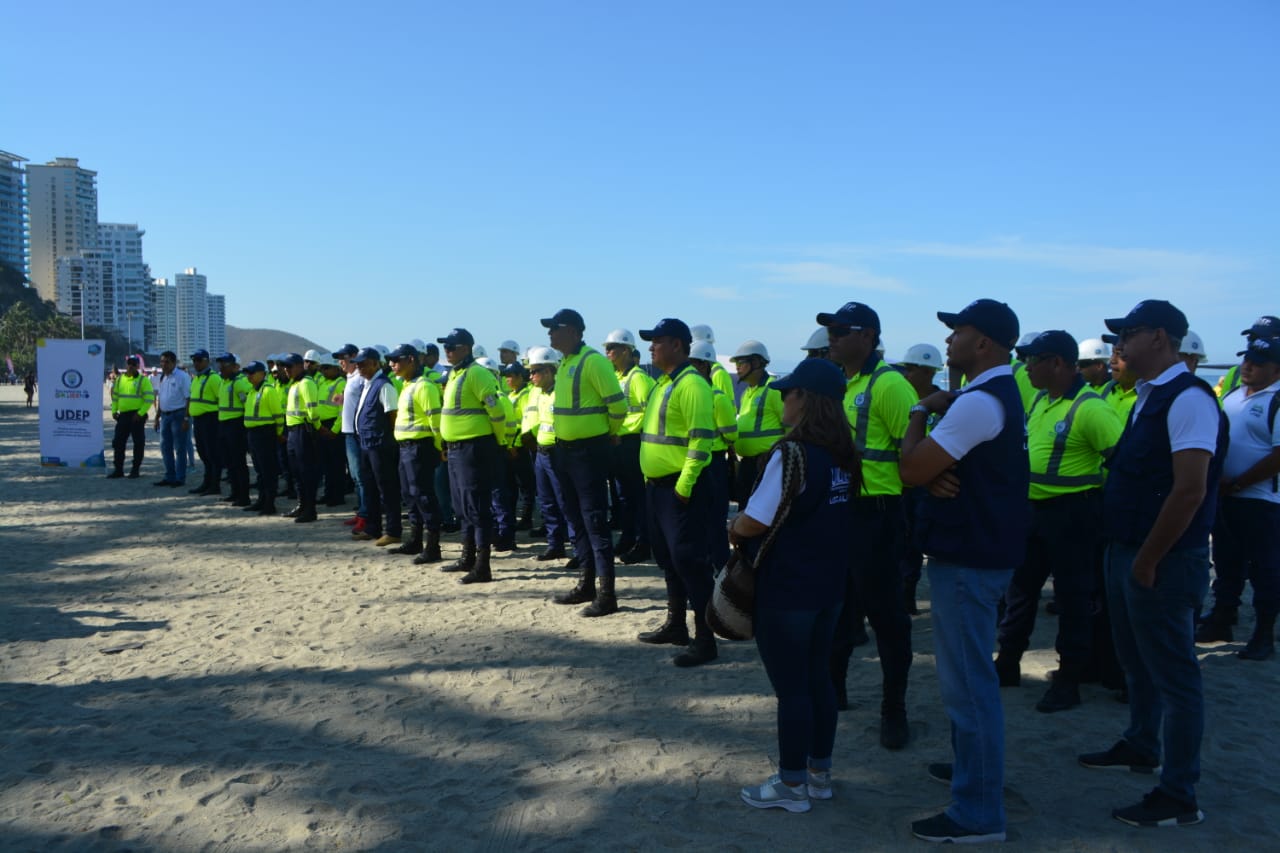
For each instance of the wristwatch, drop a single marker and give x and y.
(919, 409)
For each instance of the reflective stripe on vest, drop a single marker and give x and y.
(759, 431)
(862, 420)
(575, 394)
(1051, 477)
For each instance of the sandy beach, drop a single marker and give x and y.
(178, 675)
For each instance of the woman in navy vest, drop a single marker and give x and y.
(801, 577)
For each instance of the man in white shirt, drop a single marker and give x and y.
(173, 393)
(1246, 535)
(350, 400)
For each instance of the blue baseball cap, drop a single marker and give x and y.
(200, 353)
(367, 354)
(1152, 314)
(1264, 327)
(1053, 342)
(565, 317)
(228, 357)
(853, 314)
(346, 351)
(994, 319)
(1262, 351)
(255, 367)
(817, 376)
(668, 327)
(403, 351)
(289, 359)
(457, 337)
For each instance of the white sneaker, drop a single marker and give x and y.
(819, 784)
(775, 794)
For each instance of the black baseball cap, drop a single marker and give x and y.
(565, 317)
(853, 314)
(668, 327)
(817, 376)
(1262, 351)
(431, 349)
(1151, 314)
(457, 337)
(131, 359)
(347, 351)
(994, 319)
(255, 367)
(228, 357)
(513, 369)
(1111, 339)
(200, 353)
(403, 351)
(1265, 326)
(289, 359)
(1053, 342)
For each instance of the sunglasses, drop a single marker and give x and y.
(451, 347)
(841, 331)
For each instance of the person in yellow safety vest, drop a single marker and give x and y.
(131, 397)
(720, 378)
(522, 484)
(264, 431)
(508, 353)
(417, 433)
(1121, 392)
(675, 450)
(633, 541)
(1070, 432)
(589, 411)
(1025, 389)
(300, 422)
(430, 358)
(539, 421)
(204, 419)
(759, 416)
(877, 404)
(331, 384)
(473, 425)
(702, 355)
(504, 489)
(920, 366)
(232, 442)
(1093, 361)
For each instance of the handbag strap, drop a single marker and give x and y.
(793, 468)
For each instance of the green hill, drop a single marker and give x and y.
(259, 343)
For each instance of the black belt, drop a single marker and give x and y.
(669, 480)
(174, 412)
(876, 503)
(545, 449)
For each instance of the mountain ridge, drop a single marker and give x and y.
(251, 344)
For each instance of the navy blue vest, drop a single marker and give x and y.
(807, 565)
(986, 525)
(1141, 472)
(371, 420)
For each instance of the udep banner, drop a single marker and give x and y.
(71, 376)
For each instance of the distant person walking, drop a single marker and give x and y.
(29, 385)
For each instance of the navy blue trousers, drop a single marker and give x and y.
(473, 468)
(583, 469)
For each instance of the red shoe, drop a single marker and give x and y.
(352, 521)
(359, 527)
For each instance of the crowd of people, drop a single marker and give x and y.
(1104, 463)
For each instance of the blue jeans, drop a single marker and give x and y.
(795, 646)
(1154, 630)
(173, 443)
(550, 500)
(353, 467)
(964, 628)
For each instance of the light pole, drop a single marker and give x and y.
(129, 328)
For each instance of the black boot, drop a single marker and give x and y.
(136, 471)
(1009, 669)
(308, 513)
(465, 563)
(894, 730)
(702, 649)
(584, 591)
(412, 545)
(638, 554)
(295, 512)
(1064, 690)
(268, 507)
(605, 602)
(430, 551)
(480, 572)
(673, 631)
(1216, 627)
(1262, 645)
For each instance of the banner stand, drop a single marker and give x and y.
(71, 378)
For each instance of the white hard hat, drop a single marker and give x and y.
(818, 340)
(419, 344)
(478, 352)
(509, 344)
(487, 363)
(622, 336)
(543, 355)
(924, 355)
(314, 355)
(880, 348)
(702, 332)
(1192, 345)
(750, 348)
(1026, 339)
(702, 351)
(382, 350)
(1094, 349)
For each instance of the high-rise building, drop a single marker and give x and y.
(13, 212)
(217, 324)
(162, 324)
(132, 280)
(87, 286)
(193, 310)
(62, 205)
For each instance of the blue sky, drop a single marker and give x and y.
(377, 172)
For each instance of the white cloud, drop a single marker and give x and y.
(720, 294)
(829, 274)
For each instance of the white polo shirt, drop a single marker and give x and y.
(173, 392)
(1193, 414)
(1250, 438)
(972, 418)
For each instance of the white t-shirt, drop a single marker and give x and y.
(351, 401)
(1250, 438)
(173, 392)
(763, 503)
(1193, 414)
(972, 418)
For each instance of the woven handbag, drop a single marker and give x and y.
(731, 611)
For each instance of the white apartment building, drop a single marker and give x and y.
(62, 208)
(217, 324)
(132, 279)
(162, 325)
(193, 310)
(13, 212)
(87, 286)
